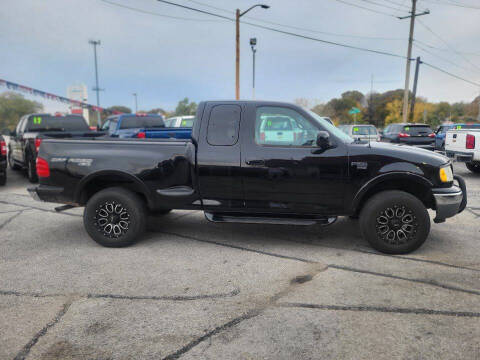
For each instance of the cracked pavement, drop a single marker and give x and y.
(195, 290)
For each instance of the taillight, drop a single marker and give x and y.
(470, 142)
(93, 128)
(43, 170)
(432, 135)
(38, 142)
(262, 136)
(3, 148)
(141, 135)
(403, 135)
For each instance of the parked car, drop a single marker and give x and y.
(419, 135)
(185, 121)
(442, 131)
(361, 132)
(3, 161)
(464, 145)
(31, 129)
(230, 173)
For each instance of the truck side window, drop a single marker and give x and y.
(223, 125)
(283, 127)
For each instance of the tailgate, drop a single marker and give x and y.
(455, 140)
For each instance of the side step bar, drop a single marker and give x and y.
(265, 219)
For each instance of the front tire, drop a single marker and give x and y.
(3, 178)
(12, 164)
(395, 222)
(115, 217)
(473, 166)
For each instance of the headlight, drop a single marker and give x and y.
(446, 174)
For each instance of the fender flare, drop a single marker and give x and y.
(121, 174)
(395, 175)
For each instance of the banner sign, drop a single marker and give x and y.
(28, 90)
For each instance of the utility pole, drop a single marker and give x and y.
(95, 43)
(136, 104)
(370, 105)
(409, 55)
(238, 15)
(414, 94)
(253, 43)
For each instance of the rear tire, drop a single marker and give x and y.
(395, 222)
(3, 178)
(31, 170)
(473, 166)
(12, 164)
(115, 217)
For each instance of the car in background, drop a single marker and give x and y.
(442, 131)
(3, 161)
(180, 121)
(419, 135)
(361, 132)
(463, 145)
(279, 130)
(31, 129)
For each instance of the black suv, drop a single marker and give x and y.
(420, 135)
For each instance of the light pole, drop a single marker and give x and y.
(95, 43)
(238, 15)
(136, 104)
(253, 43)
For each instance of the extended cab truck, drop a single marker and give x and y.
(3, 161)
(25, 140)
(234, 175)
(463, 144)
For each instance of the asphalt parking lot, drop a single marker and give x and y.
(195, 290)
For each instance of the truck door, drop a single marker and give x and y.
(218, 157)
(284, 170)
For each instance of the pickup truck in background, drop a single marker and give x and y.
(31, 129)
(464, 145)
(234, 174)
(185, 121)
(142, 126)
(3, 161)
(442, 131)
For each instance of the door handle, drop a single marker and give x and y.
(255, 162)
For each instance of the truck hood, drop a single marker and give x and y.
(404, 152)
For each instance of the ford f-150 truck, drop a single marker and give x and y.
(463, 144)
(31, 129)
(234, 173)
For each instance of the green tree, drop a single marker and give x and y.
(120, 108)
(13, 106)
(185, 107)
(158, 111)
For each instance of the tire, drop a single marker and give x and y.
(394, 222)
(3, 178)
(12, 164)
(102, 215)
(473, 166)
(31, 170)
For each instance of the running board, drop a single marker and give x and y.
(263, 219)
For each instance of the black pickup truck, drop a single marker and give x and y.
(252, 162)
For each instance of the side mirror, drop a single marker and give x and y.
(323, 140)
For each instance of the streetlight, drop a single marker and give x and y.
(253, 43)
(136, 104)
(95, 43)
(238, 15)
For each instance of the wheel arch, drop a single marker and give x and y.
(97, 181)
(414, 184)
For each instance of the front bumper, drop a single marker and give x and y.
(450, 201)
(46, 193)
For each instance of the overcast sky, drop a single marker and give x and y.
(44, 44)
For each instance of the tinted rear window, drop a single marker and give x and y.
(223, 125)
(132, 122)
(417, 130)
(57, 123)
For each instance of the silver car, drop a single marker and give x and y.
(361, 132)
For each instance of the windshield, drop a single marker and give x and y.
(331, 128)
(57, 123)
(133, 122)
(364, 130)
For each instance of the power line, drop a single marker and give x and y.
(297, 27)
(449, 73)
(380, 4)
(448, 45)
(441, 57)
(286, 32)
(365, 8)
(440, 49)
(450, 3)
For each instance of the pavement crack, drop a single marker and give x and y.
(170, 298)
(38, 208)
(26, 349)
(383, 309)
(11, 218)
